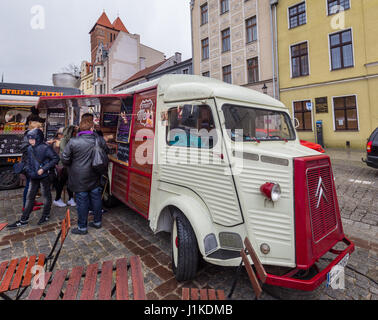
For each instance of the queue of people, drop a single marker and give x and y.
(66, 159)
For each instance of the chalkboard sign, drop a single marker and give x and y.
(10, 144)
(124, 122)
(123, 152)
(56, 119)
(110, 119)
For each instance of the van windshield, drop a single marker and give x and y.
(253, 124)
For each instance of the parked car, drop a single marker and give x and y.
(372, 150)
(312, 145)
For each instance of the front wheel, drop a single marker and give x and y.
(185, 251)
(8, 179)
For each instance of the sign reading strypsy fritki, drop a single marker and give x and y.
(32, 93)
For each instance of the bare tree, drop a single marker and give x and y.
(72, 69)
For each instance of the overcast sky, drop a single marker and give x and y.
(31, 55)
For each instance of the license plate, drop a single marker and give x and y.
(335, 278)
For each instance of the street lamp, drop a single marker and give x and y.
(265, 88)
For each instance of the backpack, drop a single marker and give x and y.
(100, 159)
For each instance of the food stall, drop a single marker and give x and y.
(13, 114)
(112, 114)
(113, 118)
(16, 102)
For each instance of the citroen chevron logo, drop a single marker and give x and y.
(321, 192)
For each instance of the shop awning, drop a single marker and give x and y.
(11, 101)
(80, 101)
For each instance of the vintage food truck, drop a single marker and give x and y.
(213, 163)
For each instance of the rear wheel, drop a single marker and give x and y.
(185, 251)
(8, 179)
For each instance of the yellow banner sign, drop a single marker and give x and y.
(33, 93)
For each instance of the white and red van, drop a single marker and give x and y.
(214, 163)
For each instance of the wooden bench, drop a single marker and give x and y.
(66, 287)
(3, 225)
(17, 274)
(202, 294)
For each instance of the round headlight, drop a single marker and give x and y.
(271, 190)
(276, 192)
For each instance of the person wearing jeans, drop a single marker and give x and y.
(40, 159)
(82, 179)
(30, 198)
(85, 200)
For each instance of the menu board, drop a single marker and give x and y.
(56, 119)
(110, 119)
(124, 122)
(123, 152)
(10, 144)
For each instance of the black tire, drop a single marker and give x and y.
(8, 179)
(293, 294)
(184, 246)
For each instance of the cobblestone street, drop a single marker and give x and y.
(126, 233)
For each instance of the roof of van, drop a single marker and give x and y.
(190, 87)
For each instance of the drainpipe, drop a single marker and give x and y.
(273, 59)
(273, 26)
(276, 36)
(191, 30)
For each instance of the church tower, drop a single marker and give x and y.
(104, 32)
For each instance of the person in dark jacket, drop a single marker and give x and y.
(40, 159)
(82, 179)
(24, 150)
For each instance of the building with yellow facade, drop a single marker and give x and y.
(327, 54)
(86, 78)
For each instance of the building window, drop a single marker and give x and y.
(204, 14)
(98, 72)
(224, 6)
(251, 29)
(341, 50)
(345, 112)
(185, 71)
(299, 60)
(227, 74)
(226, 43)
(104, 72)
(206, 74)
(205, 48)
(335, 6)
(303, 114)
(297, 15)
(253, 70)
